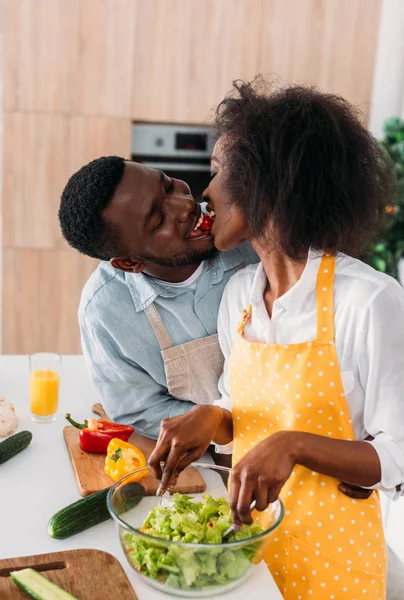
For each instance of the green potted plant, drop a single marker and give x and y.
(387, 253)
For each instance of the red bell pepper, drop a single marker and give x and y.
(95, 435)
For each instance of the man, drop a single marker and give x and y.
(148, 313)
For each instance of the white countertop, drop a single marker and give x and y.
(39, 481)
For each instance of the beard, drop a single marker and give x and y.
(181, 260)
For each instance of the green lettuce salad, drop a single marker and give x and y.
(187, 521)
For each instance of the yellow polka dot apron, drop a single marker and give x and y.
(328, 546)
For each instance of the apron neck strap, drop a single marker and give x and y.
(159, 329)
(324, 301)
(325, 298)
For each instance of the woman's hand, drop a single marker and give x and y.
(183, 440)
(260, 475)
(262, 472)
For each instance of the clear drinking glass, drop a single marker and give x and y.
(191, 570)
(44, 379)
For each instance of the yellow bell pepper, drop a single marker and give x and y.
(123, 458)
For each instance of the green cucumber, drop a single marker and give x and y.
(14, 444)
(80, 515)
(39, 587)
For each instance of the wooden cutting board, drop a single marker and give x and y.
(87, 574)
(89, 467)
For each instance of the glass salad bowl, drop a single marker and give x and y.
(176, 542)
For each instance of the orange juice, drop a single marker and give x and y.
(44, 392)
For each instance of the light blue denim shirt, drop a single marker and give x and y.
(121, 351)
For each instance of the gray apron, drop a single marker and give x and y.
(192, 369)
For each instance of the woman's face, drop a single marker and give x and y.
(229, 228)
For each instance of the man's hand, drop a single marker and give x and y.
(183, 440)
(260, 475)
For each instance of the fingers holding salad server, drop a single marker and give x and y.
(260, 476)
(185, 438)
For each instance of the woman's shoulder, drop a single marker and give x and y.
(357, 270)
(363, 284)
(243, 277)
(238, 289)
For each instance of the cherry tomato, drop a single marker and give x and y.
(206, 224)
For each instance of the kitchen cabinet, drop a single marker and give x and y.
(41, 293)
(187, 52)
(68, 57)
(105, 65)
(40, 302)
(40, 54)
(91, 137)
(328, 44)
(175, 59)
(41, 151)
(36, 166)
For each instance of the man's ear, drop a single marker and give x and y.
(128, 265)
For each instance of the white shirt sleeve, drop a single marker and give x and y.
(381, 375)
(226, 343)
(226, 337)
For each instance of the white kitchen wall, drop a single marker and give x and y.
(388, 82)
(1, 179)
(388, 101)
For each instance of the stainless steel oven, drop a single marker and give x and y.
(181, 151)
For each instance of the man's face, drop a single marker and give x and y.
(156, 217)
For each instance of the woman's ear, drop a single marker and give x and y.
(128, 265)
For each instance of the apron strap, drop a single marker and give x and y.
(159, 329)
(156, 322)
(325, 298)
(324, 301)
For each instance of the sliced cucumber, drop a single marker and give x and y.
(39, 587)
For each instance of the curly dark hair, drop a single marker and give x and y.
(87, 193)
(302, 161)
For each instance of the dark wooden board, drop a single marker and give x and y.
(87, 574)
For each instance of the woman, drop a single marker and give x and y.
(315, 364)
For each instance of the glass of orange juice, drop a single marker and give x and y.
(44, 381)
